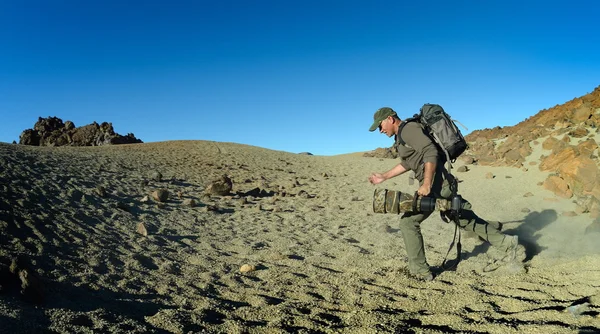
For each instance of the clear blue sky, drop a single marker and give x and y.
(289, 75)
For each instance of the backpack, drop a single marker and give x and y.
(441, 129)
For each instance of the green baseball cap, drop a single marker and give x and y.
(380, 115)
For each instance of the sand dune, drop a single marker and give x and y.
(323, 261)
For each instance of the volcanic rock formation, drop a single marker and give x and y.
(52, 131)
(569, 131)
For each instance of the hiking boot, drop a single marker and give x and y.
(510, 261)
(515, 251)
(428, 277)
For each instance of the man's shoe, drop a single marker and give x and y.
(511, 260)
(515, 251)
(423, 277)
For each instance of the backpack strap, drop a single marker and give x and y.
(399, 139)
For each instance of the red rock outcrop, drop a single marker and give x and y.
(573, 159)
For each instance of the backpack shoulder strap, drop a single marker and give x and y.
(399, 139)
(415, 118)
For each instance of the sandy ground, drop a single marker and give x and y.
(325, 263)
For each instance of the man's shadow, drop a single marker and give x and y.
(527, 232)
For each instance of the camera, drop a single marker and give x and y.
(396, 202)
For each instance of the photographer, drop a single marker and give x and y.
(421, 155)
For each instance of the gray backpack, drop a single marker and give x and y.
(441, 129)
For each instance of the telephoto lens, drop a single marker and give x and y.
(396, 202)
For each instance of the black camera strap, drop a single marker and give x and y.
(458, 250)
(453, 216)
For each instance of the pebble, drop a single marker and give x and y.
(156, 176)
(100, 191)
(246, 268)
(160, 195)
(462, 169)
(141, 229)
(189, 202)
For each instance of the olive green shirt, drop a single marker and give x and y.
(418, 149)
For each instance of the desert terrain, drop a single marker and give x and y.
(100, 254)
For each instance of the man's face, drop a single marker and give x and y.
(387, 127)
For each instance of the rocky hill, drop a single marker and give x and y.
(52, 131)
(568, 132)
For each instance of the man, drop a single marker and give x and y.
(420, 155)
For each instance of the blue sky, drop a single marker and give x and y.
(290, 75)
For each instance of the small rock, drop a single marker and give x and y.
(189, 202)
(508, 177)
(528, 194)
(246, 268)
(468, 160)
(489, 175)
(324, 175)
(462, 169)
(212, 208)
(303, 194)
(141, 229)
(524, 169)
(145, 199)
(569, 214)
(525, 210)
(221, 186)
(160, 195)
(156, 176)
(100, 191)
(179, 194)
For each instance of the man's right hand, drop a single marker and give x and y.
(376, 178)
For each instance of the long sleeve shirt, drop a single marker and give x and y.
(418, 149)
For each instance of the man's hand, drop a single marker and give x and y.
(376, 178)
(424, 189)
(428, 171)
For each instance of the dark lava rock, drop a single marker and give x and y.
(52, 131)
